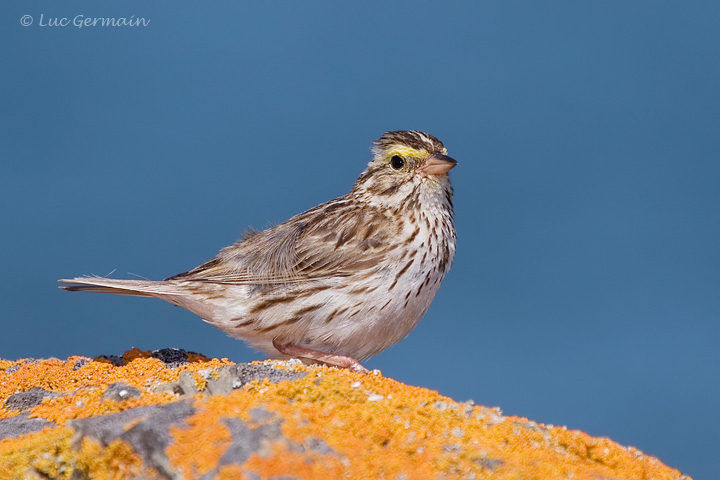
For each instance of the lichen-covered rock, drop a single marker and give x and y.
(178, 415)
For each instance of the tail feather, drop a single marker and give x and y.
(97, 289)
(138, 288)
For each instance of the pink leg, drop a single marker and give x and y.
(328, 358)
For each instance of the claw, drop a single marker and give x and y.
(326, 358)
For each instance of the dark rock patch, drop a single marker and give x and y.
(28, 399)
(13, 427)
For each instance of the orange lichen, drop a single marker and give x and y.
(384, 426)
(52, 454)
(134, 353)
(34, 452)
(83, 387)
(197, 449)
(87, 402)
(367, 426)
(117, 461)
(230, 472)
(281, 461)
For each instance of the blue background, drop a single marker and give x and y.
(585, 291)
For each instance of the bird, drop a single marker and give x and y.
(338, 283)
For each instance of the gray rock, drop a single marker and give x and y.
(13, 427)
(80, 363)
(224, 380)
(18, 366)
(172, 357)
(13, 369)
(186, 385)
(247, 372)
(245, 442)
(112, 359)
(28, 399)
(118, 391)
(490, 463)
(149, 438)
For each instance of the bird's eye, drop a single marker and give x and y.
(397, 162)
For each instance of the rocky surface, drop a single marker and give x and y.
(171, 414)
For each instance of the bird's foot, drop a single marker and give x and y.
(326, 358)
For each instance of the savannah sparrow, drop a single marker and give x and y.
(338, 283)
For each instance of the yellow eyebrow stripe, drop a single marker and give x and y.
(405, 152)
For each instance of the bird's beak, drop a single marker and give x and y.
(438, 164)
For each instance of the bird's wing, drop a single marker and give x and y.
(335, 239)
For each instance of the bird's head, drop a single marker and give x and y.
(406, 164)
